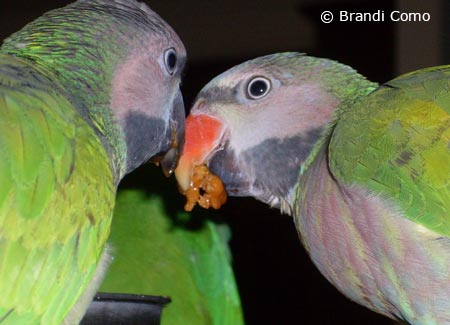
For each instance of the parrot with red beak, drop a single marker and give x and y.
(363, 169)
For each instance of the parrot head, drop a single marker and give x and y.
(120, 64)
(145, 91)
(256, 124)
(146, 96)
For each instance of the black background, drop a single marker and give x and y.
(278, 283)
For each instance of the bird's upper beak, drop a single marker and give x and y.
(203, 138)
(169, 160)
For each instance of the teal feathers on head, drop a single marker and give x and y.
(86, 36)
(110, 58)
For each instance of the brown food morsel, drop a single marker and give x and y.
(206, 189)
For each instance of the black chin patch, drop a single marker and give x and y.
(225, 165)
(145, 138)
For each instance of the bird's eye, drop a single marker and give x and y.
(258, 87)
(170, 60)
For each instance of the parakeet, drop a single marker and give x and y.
(160, 250)
(88, 92)
(363, 169)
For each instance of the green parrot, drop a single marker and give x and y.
(88, 92)
(363, 169)
(160, 250)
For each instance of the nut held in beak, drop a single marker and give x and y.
(200, 186)
(206, 189)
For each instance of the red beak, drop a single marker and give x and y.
(203, 134)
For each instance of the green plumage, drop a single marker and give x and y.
(52, 224)
(403, 151)
(64, 145)
(155, 253)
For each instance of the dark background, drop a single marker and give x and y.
(278, 283)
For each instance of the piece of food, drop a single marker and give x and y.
(206, 189)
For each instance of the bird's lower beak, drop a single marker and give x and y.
(169, 160)
(203, 138)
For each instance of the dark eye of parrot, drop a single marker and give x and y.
(170, 59)
(258, 87)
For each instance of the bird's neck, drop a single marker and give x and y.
(83, 63)
(347, 97)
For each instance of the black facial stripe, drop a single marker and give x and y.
(219, 95)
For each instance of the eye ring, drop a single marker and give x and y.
(258, 87)
(170, 60)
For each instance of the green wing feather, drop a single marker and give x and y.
(396, 142)
(55, 199)
(154, 255)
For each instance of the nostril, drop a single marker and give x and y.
(199, 105)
